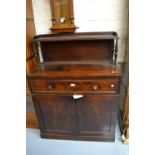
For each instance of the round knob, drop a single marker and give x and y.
(72, 84)
(49, 86)
(112, 85)
(95, 87)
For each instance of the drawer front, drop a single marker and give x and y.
(75, 86)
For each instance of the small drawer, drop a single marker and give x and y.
(75, 86)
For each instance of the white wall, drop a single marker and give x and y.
(90, 15)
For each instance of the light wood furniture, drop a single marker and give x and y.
(62, 16)
(31, 120)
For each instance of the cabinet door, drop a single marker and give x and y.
(96, 116)
(55, 113)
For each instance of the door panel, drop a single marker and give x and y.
(96, 115)
(56, 113)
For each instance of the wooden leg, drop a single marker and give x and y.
(125, 136)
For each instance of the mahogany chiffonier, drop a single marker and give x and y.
(75, 86)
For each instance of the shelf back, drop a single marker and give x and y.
(75, 47)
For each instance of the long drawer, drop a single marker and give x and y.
(75, 86)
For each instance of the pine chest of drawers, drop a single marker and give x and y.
(75, 86)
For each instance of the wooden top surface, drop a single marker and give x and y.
(75, 71)
(76, 36)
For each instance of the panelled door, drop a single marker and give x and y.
(92, 116)
(56, 113)
(96, 115)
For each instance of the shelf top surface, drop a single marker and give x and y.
(60, 71)
(75, 36)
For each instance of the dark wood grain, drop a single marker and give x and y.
(76, 64)
(78, 36)
(59, 117)
(77, 50)
(56, 113)
(96, 115)
(75, 71)
(81, 86)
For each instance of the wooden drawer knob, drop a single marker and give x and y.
(49, 86)
(95, 87)
(112, 85)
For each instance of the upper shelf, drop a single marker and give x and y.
(83, 46)
(76, 36)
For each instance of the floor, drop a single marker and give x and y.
(38, 146)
